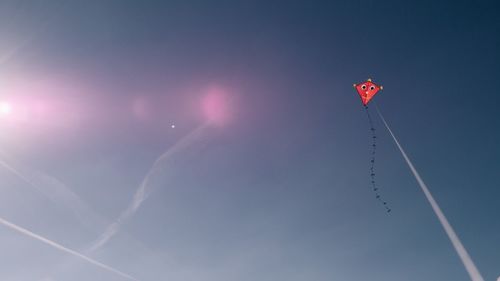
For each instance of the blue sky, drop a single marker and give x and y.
(278, 191)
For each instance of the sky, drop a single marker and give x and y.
(228, 138)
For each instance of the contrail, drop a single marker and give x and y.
(57, 192)
(53, 190)
(17, 173)
(139, 197)
(457, 244)
(64, 249)
(142, 192)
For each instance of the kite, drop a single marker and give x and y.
(367, 90)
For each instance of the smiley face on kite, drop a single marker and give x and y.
(367, 90)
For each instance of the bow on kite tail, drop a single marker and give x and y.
(366, 91)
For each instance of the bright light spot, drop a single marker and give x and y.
(173, 126)
(5, 108)
(498, 278)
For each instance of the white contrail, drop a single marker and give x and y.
(64, 249)
(142, 193)
(57, 192)
(111, 230)
(457, 244)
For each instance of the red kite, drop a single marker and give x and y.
(367, 90)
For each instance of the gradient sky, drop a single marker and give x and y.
(280, 189)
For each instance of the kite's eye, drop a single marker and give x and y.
(363, 87)
(372, 88)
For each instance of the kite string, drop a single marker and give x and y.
(372, 161)
(470, 267)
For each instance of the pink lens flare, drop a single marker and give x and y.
(41, 104)
(216, 105)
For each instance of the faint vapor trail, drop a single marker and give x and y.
(457, 244)
(142, 193)
(16, 172)
(64, 249)
(36, 31)
(55, 191)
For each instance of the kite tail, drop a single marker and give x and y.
(372, 162)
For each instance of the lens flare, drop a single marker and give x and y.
(216, 106)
